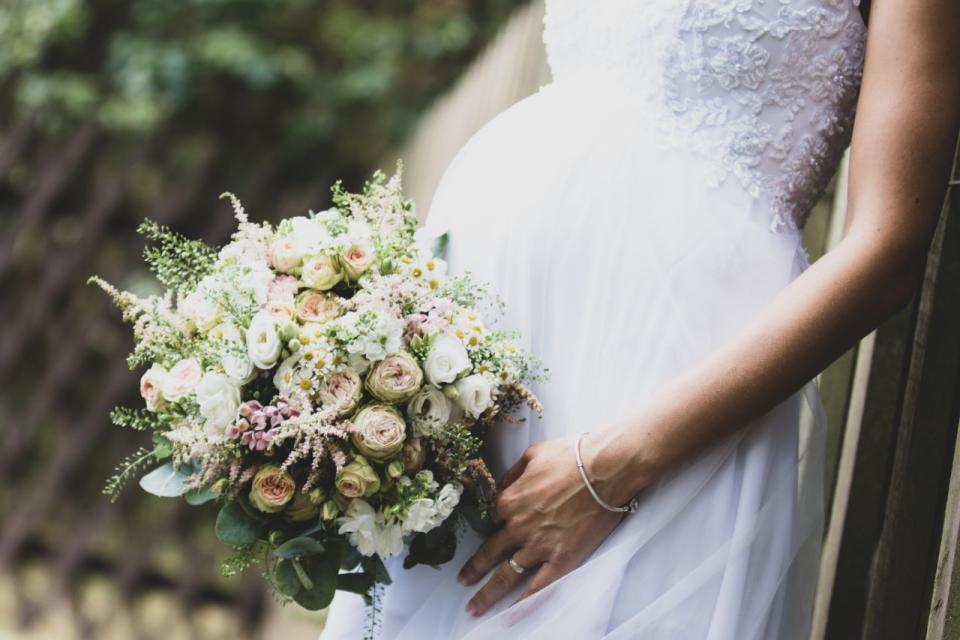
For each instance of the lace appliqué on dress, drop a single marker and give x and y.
(763, 90)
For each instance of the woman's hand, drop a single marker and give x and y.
(550, 524)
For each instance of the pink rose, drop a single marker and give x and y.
(282, 289)
(314, 306)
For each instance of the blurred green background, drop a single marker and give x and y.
(113, 110)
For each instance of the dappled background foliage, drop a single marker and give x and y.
(116, 110)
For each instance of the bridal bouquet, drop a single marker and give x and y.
(328, 383)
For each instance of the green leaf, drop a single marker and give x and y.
(302, 576)
(358, 582)
(167, 481)
(322, 572)
(200, 496)
(433, 548)
(375, 567)
(351, 559)
(162, 449)
(285, 577)
(477, 521)
(298, 547)
(235, 527)
(440, 244)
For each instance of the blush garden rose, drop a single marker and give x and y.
(271, 489)
(379, 432)
(396, 378)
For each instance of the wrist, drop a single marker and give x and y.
(617, 468)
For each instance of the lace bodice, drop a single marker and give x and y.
(764, 90)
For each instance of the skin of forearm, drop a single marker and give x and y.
(815, 319)
(902, 147)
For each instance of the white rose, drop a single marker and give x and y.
(227, 332)
(285, 254)
(238, 367)
(182, 379)
(356, 258)
(203, 312)
(430, 403)
(321, 272)
(447, 359)
(219, 400)
(309, 234)
(263, 340)
(151, 387)
(474, 394)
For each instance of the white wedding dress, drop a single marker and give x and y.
(634, 214)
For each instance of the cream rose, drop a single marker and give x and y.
(356, 259)
(219, 400)
(474, 394)
(396, 378)
(357, 480)
(447, 359)
(313, 306)
(341, 389)
(379, 432)
(151, 387)
(182, 379)
(272, 489)
(263, 340)
(321, 272)
(432, 404)
(301, 508)
(285, 254)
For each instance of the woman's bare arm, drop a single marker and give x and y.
(902, 147)
(901, 153)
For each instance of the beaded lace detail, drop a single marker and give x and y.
(764, 90)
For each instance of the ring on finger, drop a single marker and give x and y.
(516, 566)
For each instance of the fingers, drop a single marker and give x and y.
(513, 473)
(502, 581)
(494, 550)
(545, 576)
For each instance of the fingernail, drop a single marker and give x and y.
(462, 579)
(471, 608)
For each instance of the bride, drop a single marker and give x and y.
(641, 217)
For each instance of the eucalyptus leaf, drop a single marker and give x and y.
(322, 571)
(298, 547)
(285, 577)
(235, 526)
(167, 481)
(200, 496)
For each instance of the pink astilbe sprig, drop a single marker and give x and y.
(256, 424)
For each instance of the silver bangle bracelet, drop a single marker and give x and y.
(630, 507)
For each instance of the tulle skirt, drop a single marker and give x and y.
(623, 264)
